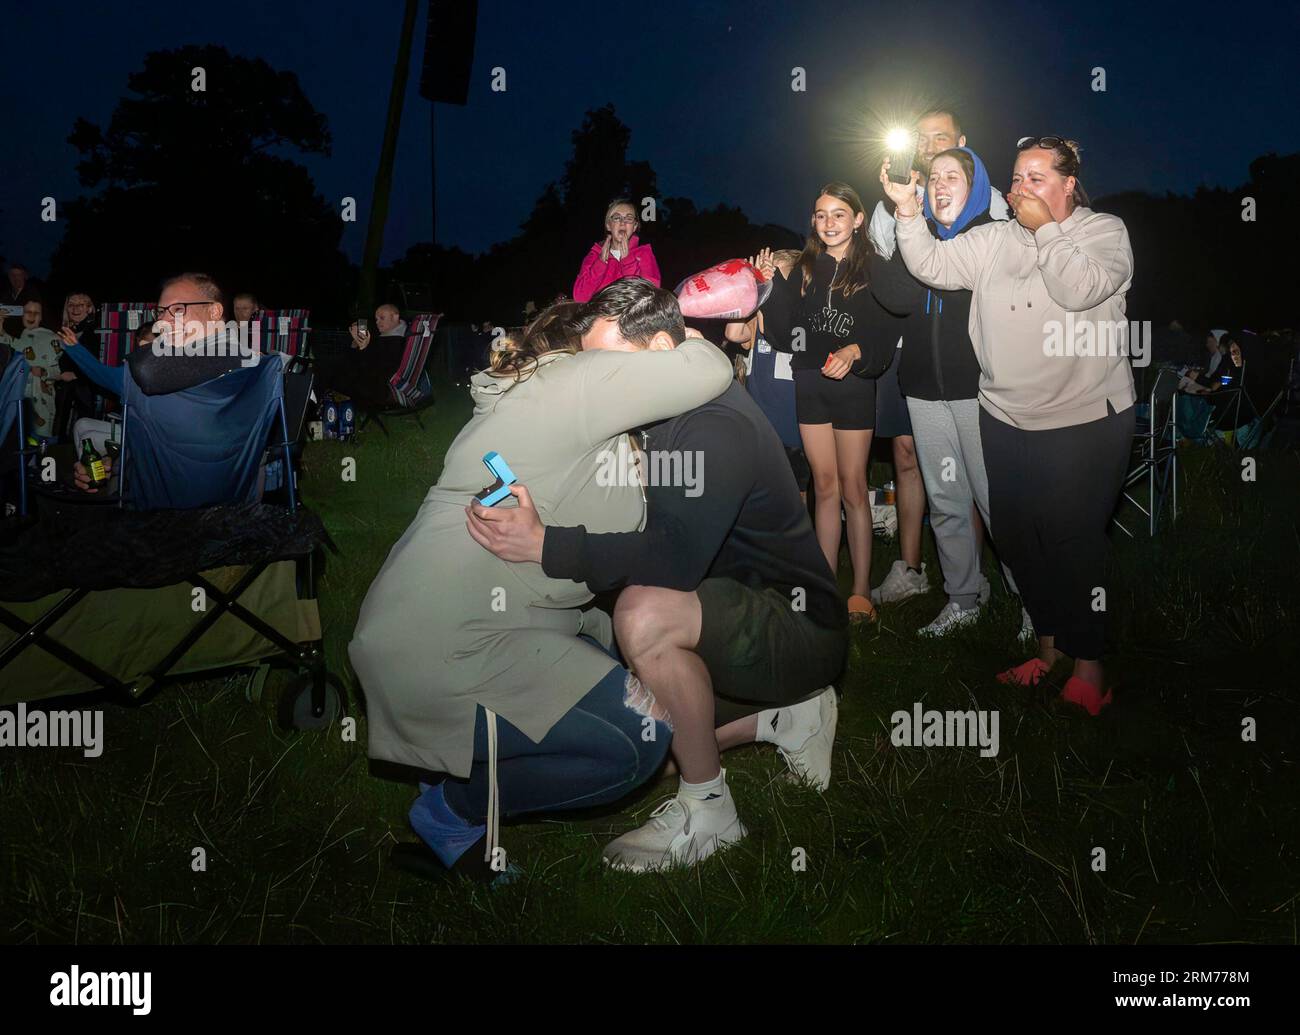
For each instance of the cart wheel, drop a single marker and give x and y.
(295, 706)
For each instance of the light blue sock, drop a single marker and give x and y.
(442, 830)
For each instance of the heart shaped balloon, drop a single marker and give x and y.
(731, 290)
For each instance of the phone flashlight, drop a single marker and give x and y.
(901, 149)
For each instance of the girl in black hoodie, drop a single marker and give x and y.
(939, 374)
(841, 342)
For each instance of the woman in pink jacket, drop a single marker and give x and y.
(621, 255)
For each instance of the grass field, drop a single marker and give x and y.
(1200, 829)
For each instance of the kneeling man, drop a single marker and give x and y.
(729, 613)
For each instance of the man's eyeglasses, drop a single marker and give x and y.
(622, 219)
(1028, 142)
(177, 309)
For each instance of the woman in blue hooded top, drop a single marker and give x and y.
(939, 374)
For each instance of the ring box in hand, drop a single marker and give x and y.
(500, 488)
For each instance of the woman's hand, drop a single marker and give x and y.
(1031, 210)
(903, 195)
(68, 336)
(38, 373)
(841, 361)
(764, 263)
(68, 375)
(604, 249)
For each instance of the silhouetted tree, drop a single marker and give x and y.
(196, 179)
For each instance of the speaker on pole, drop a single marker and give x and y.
(449, 51)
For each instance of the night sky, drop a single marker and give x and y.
(1194, 92)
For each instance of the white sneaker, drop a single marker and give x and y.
(986, 591)
(900, 584)
(810, 761)
(950, 618)
(680, 832)
(1027, 627)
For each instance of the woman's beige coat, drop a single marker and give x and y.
(446, 626)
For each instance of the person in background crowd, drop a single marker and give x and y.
(18, 290)
(847, 333)
(1056, 428)
(74, 397)
(620, 255)
(937, 130)
(940, 374)
(245, 306)
(363, 372)
(1205, 378)
(769, 377)
(42, 350)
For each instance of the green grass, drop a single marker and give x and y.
(909, 845)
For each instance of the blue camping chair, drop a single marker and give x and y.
(13, 386)
(202, 446)
(199, 448)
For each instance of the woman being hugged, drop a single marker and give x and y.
(1056, 397)
(620, 255)
(848, 341)
(475, 667)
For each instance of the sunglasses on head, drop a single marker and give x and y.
(1028, 142)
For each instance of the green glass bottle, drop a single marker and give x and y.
(93, 463)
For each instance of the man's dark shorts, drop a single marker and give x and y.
(760, 652)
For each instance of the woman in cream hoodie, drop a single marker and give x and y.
(450, 639)
(1056, 392)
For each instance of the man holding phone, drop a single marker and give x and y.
(362, 372)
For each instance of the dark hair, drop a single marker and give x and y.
(554, 329)
(853, 276)
(202, 281)
(1066, 160)
(640, 309)
(966, 162)
(941, 110)
(18, 266)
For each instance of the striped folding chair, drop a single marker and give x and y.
(120, 324)
(285, 331)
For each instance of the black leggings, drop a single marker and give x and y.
(1051, 495)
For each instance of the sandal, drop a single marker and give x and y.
(1026, 674)
(1086, 695)
(861, 609)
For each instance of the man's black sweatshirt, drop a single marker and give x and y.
(748, 523)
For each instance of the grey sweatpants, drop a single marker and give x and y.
(951, 458)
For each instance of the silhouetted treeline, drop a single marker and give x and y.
(199, 179)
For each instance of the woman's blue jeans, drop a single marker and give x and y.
(599, 751)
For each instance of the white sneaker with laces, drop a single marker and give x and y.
(810, 759)
(680, 832)
(950, 618)
(902, 583)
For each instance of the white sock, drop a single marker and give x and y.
(790, 727)
(702, 791)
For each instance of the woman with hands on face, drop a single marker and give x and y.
(621, 254)
(1056, 393)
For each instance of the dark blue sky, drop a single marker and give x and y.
(1194, 92)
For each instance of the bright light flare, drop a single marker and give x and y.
(898, 140)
